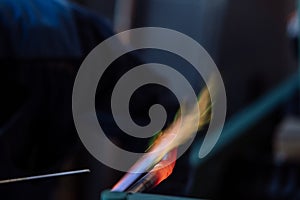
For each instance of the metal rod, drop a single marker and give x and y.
(160, 172)
(45, 176)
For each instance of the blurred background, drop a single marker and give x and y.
(254, 44)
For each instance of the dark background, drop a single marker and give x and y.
(247, 39)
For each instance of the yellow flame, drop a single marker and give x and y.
(182, 129)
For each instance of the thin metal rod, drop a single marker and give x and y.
(45, 176)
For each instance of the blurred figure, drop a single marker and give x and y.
(42, 45)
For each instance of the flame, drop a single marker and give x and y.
(165, 167)
(160, 172)
(180, 131)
